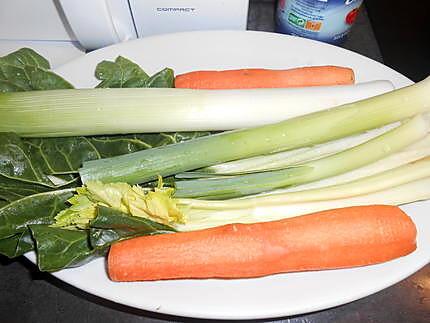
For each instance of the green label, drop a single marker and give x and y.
(296, 20)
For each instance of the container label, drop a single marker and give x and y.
(325, 20)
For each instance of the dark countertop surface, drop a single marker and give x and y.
(27, 295)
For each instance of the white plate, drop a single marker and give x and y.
(268, 297)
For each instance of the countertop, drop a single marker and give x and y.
(27, 295)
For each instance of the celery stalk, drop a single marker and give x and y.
(199, 218)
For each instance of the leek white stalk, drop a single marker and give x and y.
(117, 111)
(202, 218)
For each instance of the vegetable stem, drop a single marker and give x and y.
(294, 133)
(199, 218)
(85, 112)
(285, 158)
(358, 156)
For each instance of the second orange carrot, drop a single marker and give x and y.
(266, 78)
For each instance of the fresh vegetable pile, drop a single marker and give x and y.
(236, 160)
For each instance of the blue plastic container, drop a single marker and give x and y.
(324, 20)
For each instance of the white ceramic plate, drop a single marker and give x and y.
(268, 297)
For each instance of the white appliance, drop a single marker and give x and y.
(64, 29)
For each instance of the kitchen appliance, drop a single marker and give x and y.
(74, 26)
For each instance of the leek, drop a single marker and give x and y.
(285, 158)
(81, 112)
(355, 157)
(294, 133)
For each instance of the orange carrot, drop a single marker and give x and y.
(339, 238)
(264, 78)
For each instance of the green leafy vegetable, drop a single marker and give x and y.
(26, 70)
(59, 248)
(31, 170)
(12, 190)
(59, 155)
(111, 225)
(34, 209)
(163, 78)
(123, 73)
(20, 161)
(16, 245)
(110, 146)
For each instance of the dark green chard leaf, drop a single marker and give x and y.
(111, 225)
(26, 70)
(17, 245)
(15, 162)
(57, 249)
(124, 73)
(31, 168)
(121, 73)
(34, 209)
(12, 190)
(164, 78)
(59, 155)
(20, 161)
(110, 146)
